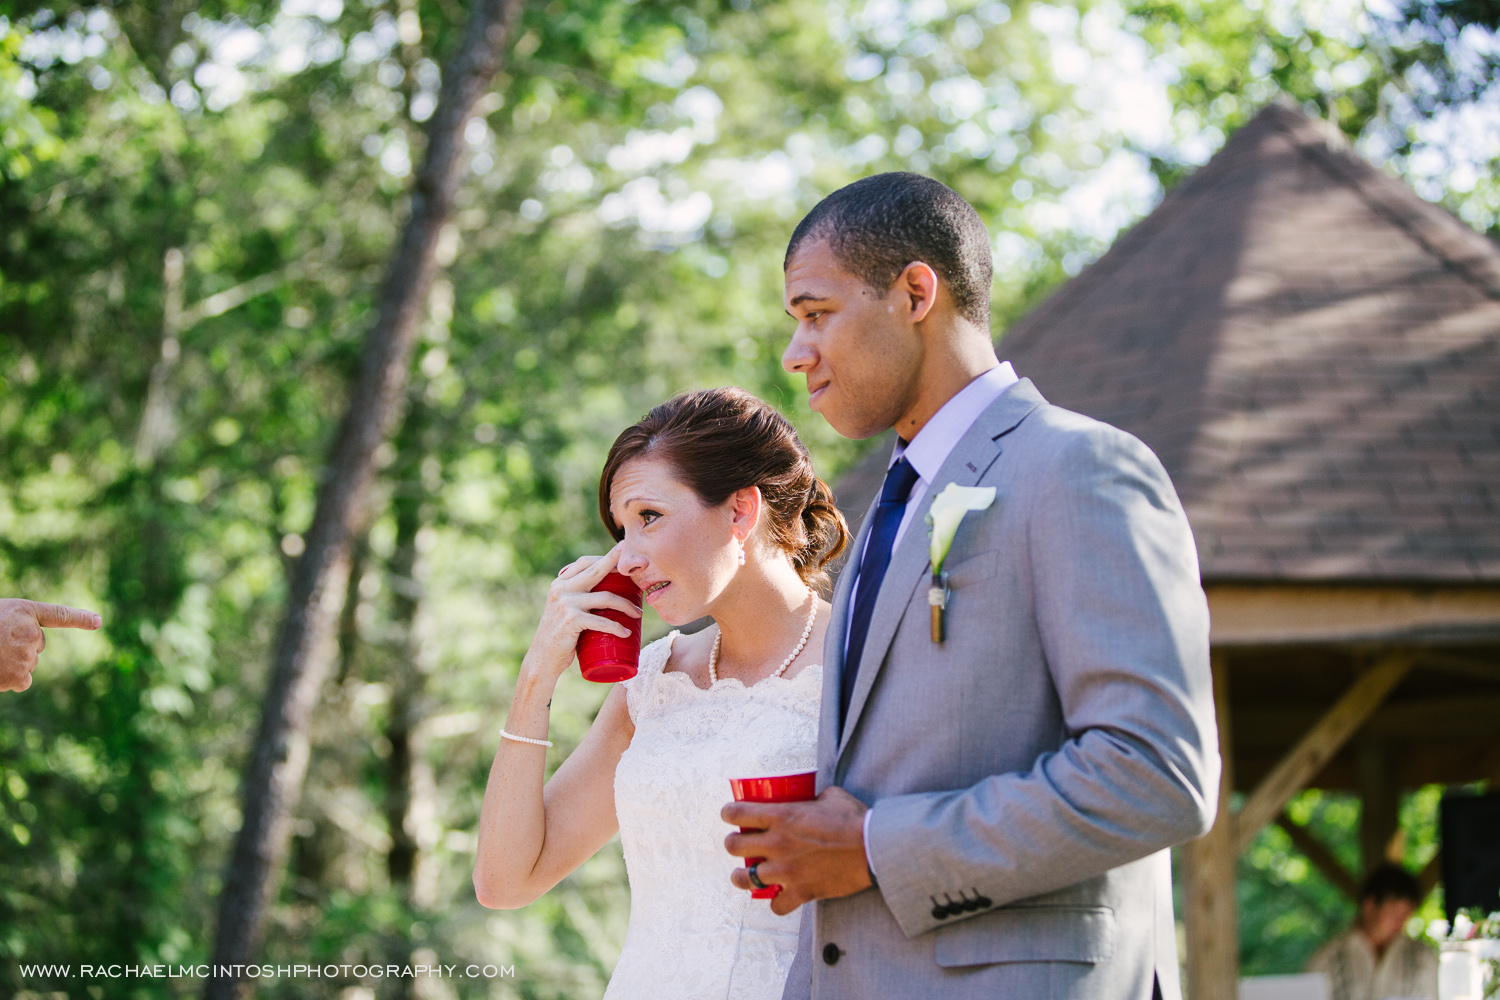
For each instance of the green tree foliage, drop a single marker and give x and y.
(196, 204)
(1413, 84)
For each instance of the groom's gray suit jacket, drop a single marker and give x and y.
(1042, 758)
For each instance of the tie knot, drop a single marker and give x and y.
(899, 479)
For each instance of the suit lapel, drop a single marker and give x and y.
(970, 459)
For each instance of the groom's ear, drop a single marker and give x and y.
(918, 288)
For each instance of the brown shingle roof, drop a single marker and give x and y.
(1313, 351)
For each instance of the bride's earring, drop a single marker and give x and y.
(742, 550)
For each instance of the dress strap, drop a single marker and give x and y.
(653, 661)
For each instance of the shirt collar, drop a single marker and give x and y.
(939, 436)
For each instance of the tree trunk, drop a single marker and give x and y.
(405, 802)
(349, 614)
(407, 677)
(278, 761)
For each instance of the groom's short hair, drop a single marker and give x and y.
(877, 226)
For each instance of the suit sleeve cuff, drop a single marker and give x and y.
(899, 839)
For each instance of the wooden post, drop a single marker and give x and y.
(1213, 946)
(1379, 803)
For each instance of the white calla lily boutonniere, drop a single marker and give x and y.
(944, 516)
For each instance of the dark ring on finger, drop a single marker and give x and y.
(755, 877)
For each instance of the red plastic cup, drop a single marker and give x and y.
(606, 658)
(793, 786)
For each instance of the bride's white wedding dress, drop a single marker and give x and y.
(693, 935)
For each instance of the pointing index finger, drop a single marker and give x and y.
(62, 616)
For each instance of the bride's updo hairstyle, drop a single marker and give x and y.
(721, 441)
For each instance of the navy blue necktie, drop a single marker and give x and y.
(899, 480)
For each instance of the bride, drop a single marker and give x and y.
(716, 510)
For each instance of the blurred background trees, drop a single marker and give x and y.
(197, 202)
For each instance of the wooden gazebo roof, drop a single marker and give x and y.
(1314, 353)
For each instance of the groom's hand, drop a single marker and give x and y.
(813, 850)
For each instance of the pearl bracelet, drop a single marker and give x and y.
(524, 739)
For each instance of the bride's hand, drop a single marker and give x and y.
(568, 613)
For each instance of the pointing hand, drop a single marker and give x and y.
(22, 639)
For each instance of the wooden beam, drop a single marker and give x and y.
(1270, 614)
(1322, 858)
(1209, 918)
(1321, 742)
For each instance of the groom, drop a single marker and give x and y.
(995, 808)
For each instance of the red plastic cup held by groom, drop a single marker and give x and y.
(794, 786)
(606, 658)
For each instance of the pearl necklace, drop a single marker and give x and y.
(812, 616)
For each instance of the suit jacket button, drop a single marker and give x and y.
(831, 953)
(940, 912)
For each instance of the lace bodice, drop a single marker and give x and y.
(692, 935)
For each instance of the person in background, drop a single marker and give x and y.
(22, 639)
(1375, 959)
